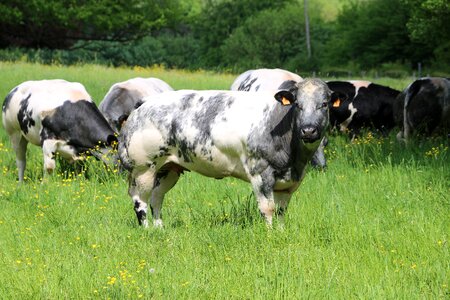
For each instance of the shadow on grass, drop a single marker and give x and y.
(233, 210)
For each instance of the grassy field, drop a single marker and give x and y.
(375, 225)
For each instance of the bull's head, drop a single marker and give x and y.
(310, 100)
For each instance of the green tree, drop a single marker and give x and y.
(280, 42)
(429, 20)
(429, 24)
(219, 19)
(60, 23)
(373, 32)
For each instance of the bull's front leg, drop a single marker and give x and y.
(282, 201)
(263, 188)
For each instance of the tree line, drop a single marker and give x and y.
(229, 35)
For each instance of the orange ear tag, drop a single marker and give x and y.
(285, 101)
(337, 102)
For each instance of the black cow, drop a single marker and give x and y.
(424, 107)
(362, 104)
(60, 117)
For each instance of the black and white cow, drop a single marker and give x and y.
(425, 107)
(362, 104)
(263, 138)
(57, 115)
(272, 80)
(123, 97)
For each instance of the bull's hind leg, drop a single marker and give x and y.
(164, 181)
(19, 144)
(140, 189)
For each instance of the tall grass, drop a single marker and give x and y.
(375, 224)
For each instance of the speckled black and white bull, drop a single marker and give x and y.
(424, 107)
(272, 80)
(362, 104)
(57, 115)
(123, 97)
(263, 138)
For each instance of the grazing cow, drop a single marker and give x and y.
(123, 97)
(263, 138)
(425, 107)
(272, 80)
(57, 115)
(362, 104)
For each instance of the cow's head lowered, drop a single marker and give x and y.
(309, 100)
(82, 127)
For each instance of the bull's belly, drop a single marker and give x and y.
(217, 166)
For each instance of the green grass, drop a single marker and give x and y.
(375, 225)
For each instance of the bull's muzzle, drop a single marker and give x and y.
(309, 134)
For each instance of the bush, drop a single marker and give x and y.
(268, 40)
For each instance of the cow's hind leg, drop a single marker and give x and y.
(49, 148)
(164, 181)
(19, 144)
(140, 188)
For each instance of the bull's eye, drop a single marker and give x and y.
(323, 105)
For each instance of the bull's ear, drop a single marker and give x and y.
(139, 103)
(337, 98)
(285, 97)
(121, 121)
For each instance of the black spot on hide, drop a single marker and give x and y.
(246, 84)
(25, 116)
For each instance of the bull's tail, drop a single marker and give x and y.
(8, 99)
(124, 158)
(412, 91)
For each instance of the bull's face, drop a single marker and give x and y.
(310, 102)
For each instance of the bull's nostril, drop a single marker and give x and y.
(309, 130)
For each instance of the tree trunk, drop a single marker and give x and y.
(308, 41)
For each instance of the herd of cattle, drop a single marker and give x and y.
(264, 131)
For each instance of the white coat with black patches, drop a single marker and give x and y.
(362, 104)
(262, 138)
(57, 115)
(123, 97)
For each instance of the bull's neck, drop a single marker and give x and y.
(282, 146)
